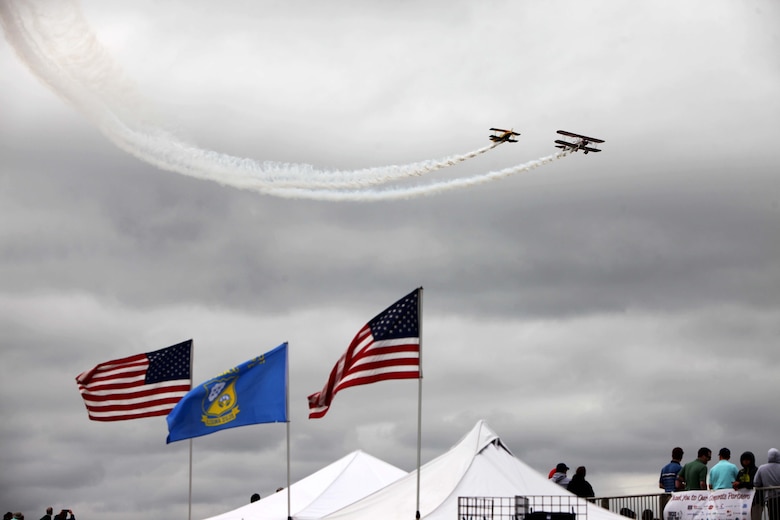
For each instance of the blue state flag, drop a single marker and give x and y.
(252, 393)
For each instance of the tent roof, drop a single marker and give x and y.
(332, 487)
(480, 465)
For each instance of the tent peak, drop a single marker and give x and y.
(481, 436)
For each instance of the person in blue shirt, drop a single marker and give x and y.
(670, 471)
(724, 473)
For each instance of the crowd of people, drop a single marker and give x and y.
(64, 514)
(694, 475)
(676, 476)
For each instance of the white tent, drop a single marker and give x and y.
(478, 466)
(334, 486)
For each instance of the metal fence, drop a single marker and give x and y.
(529, 507)
(642, 507)
(568, 507)
(651, 507)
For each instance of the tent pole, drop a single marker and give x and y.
(419, 400)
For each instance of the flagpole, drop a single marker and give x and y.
(289, 516)
(419, 398)
(189, 509)
(189, 500)
(287, 413)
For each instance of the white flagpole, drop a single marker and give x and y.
(287, 413)
(419, 398)
(189, 509)
(189, 500)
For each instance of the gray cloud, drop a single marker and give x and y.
(599, 310)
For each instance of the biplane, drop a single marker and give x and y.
(503, 136)
(580, 142)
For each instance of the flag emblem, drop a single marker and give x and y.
(220, 405)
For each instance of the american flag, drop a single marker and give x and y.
(387, 347)
(144, 385)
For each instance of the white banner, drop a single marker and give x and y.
(723, 504)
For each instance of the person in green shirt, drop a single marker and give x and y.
(693, 475)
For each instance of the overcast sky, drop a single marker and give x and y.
(598, 310)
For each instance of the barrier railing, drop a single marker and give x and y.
(570, 507)
(651, 506)
(642, 507)
(528, 507)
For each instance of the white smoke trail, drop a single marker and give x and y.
(418, 191)
(57, 44)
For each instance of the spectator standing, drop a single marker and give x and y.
(693, 475)
(579, 486)
(669, 473)
(768, 475)
(724, 473)
(49, 511)
(745, 481)
(559, 477)
(63, 515)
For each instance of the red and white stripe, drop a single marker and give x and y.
(368, 361)
(115, 391)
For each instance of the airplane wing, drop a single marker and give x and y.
(591, 139)
(589, 149)
(563, 144)
(499, 130)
